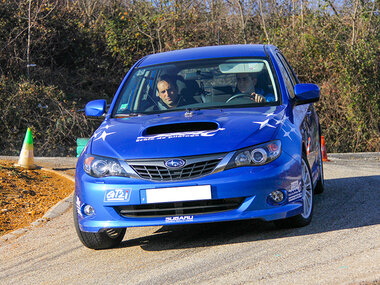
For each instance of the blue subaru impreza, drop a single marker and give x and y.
(200, 135)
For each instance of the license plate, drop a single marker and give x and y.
(176, 194)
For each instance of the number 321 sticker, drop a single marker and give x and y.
(117, 195)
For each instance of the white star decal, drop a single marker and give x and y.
(282, 120)
(268, 115)
(96, 134)
(287, 134)
(104, 135)
(278, 121)
(102, 129)
(264, 124)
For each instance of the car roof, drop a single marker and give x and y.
(204, 53)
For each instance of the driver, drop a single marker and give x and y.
(246, 84)
(167, 90)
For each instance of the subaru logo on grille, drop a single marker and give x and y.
(175, 163)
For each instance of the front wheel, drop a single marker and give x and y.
(107, 238)
(304, 218)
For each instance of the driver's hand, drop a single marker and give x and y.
(258, 98)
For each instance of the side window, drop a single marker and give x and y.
(289, 68)
(287, 79)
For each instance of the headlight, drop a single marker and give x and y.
(99, 166)
(256, 155)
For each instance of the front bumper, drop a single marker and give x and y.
(252, 184)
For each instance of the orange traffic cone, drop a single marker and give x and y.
(323, 149)
(26, 159)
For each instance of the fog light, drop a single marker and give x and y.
(89, 210)
(277, 197)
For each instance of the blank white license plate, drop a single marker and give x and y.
(175, 194)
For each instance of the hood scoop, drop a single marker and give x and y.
(180, 128)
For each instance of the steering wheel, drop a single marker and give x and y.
(239, 95)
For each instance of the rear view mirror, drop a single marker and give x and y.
(306, 93)
(241, 67)
(95, 108)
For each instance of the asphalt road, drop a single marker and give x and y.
(340, 246)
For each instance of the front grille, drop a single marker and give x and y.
(161, 173)
(179, 208)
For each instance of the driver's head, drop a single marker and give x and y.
(246, 82)
(167, 90)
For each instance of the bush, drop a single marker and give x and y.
(55, 122)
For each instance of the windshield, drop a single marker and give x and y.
(222, 83)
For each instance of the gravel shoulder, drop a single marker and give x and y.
(26, 195)
(31, 197)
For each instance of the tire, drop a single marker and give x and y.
(104, 239)
(320, 187)
(305, 217)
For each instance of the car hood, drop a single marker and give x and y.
(183, 133)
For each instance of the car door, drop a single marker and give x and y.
(304, 114)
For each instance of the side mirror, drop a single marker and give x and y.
(95, 108)
(306, 93)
